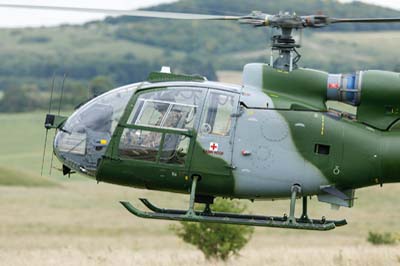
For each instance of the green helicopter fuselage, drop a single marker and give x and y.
(253, 141)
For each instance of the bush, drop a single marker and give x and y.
(381, 238)
(217, 241)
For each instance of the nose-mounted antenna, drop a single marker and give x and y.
(58, 113)
(47, 122)
(53, 121)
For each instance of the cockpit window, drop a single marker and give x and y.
(173, 108)
(102, 113)
(83, 140)
(218, 113)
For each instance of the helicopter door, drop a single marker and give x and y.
(156, 138)
(213, 151)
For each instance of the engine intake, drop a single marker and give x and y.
(375, 93)
(345, 88)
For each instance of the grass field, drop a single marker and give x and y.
(61, 221)
(14, 177)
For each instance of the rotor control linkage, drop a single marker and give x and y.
(230, 218)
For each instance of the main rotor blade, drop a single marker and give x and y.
(133, 13)
(364, 20)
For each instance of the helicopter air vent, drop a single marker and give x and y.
(155, 77)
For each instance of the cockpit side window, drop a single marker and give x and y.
(176, 109)
(218, 113)
(172, 108)
(140, 144)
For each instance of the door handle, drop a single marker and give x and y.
(232, 167)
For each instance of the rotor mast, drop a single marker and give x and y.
(286, 47)
(284, 43)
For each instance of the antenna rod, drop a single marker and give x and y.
(47, 131)
(59, 111)
(52, 91)
(62, 93)
(44, 151)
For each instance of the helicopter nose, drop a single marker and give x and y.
(79, 151)
(82, 141)
(70, 149)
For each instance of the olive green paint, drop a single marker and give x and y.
(354, 158)
(380, 94)
(216, 175)
(303, 89)
(360, 155)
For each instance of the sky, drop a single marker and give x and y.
(21, 17)
(32, 18)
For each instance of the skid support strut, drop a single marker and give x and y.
(295, 190)
(304, 215)
(191, 212)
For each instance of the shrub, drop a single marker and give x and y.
(381, 238)
(217, 241)
(21, 99)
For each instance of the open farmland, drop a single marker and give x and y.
(61, 221)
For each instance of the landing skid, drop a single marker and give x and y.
(155, 209)
(238, 219)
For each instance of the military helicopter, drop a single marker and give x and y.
(272, 137)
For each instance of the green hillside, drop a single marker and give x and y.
(124, 50)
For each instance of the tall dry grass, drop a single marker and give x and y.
(253, 255)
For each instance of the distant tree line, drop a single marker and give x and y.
(30, 58)
(26, 82)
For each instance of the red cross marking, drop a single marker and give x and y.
(214, 147)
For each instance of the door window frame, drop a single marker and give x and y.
(124, 124)
(231, 129)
